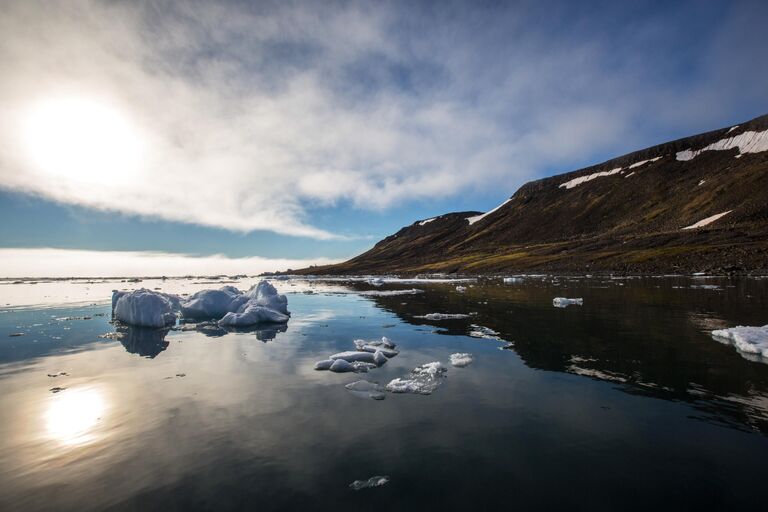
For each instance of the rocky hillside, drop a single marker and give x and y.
(694, 204)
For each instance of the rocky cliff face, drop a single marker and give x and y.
(698, 203)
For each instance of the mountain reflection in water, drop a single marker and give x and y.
(624, 403)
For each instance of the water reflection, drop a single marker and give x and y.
(144, 341)
(263, 332)
(72, 416)
(645, 339)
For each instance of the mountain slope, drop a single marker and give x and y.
(698, 203)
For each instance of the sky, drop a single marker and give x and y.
(258, 135)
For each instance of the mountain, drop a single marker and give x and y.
(695, 204)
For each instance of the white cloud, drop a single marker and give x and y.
(46, 262)
(247, 115)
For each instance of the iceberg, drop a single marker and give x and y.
(461, 360)
(751, 342)
(251, 314)
(264, 294)
(144, 308)
(325, 364)
(562, 302)
(213, 303)
(423, 380)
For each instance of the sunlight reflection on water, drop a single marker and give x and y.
(73, 415)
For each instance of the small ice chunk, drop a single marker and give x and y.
(325, 364)
(374, 481)
(423, 380)
(749, 341)
(461, 360)
(379, 358)
(371, 348)
(512, 280)
(442, 316)
(480, 331)
(376, 281)
(355, 355)
(363, 367)
(366, 389)
(461, 289)
(341, 366)
(386, 346)
(144, 308)
(562, 302)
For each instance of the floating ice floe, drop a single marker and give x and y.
(374, 481)
(751, 342)
(378, 358)
(390, 293)
(442, 316)
(562, 302)
(366, 389)
(480, 331)
(422, 380)
(512, 280)
(144, 308)
(460, 360)
(370, 354)
(384, 346)
(461, 289)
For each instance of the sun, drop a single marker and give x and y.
(81, 140)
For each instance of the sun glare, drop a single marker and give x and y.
(81, 140)
(73, 414)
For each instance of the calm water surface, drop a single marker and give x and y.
(624, 403)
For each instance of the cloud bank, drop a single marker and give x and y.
(245, 117)
(81, 263)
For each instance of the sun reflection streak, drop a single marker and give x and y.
(73, 414)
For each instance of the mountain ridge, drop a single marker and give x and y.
(649, 211)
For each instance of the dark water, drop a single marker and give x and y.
(625, 403)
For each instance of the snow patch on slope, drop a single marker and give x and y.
(583, 179)
(477, 218)
(708, 220)
(746, 142)
(589, 177)
(426, 221)
(643, 162)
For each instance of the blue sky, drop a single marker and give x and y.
(307, 130)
